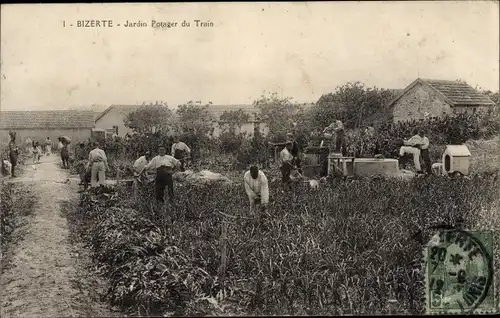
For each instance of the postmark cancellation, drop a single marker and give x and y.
(459, 273)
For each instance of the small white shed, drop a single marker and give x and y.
(456, 158)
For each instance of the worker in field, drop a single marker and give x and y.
(29, 147)
(257, 189)
(287, 166)
(336, 128)
(48, 146)
(13, 153)
(424, 152)
(296, 152)
(181, 152)
(37, 152)
(98, 165)
(412, 146)
(165, 166)
(65, 155)
(139, 166)
(79, 152)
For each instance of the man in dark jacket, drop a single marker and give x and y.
(13, 152)
(296, 152)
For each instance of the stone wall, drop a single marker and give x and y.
(417, 101)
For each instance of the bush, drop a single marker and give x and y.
(327, 252)
(15, 202)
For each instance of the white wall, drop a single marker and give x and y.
(114, 118)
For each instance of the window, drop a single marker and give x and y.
(115, 128)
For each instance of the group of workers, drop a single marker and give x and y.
(160, 169)
(34, 150)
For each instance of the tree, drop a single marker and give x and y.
(352, 103)
(279, 114)
(195, 123)
(194, 118)
(148, 116)
(230, 120)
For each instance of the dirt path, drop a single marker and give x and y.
(43, 281)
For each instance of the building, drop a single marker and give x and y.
(216, 111)
(436, 98)
(254, 118)
(38, 125)
(113, 118)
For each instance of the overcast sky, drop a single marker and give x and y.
(300, 50)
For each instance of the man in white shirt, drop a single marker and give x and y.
(412, 146)
(257, 189)
(165, 166)
(139, 166)
(48, 146)
(180, 151)
(424, 152)
(98, 165)
(286, 160)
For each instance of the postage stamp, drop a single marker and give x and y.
(459, 273)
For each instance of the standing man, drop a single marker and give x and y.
(37, 152)
(412, 146)
(29, 147)
(65, 154)
(424, 151)
(257, 189)
(180, 151)
(296, 151)
(336, 128)
(13, 152)
(286, 160)
(98, 164)
(165, 166)
(48, 146)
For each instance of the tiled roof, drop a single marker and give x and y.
(459, 93)
(52, 119)
(124, 109)
(455, 93)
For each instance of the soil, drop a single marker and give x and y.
(47, 275)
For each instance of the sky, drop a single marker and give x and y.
(298, 49)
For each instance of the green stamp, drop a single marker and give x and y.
(459, 273)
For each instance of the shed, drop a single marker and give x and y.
(456, 158)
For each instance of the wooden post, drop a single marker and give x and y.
(223, 259)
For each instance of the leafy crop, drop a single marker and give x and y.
(346, 249)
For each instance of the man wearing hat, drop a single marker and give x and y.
(286, 160)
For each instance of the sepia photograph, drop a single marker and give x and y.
(304, 158)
